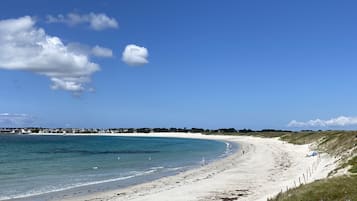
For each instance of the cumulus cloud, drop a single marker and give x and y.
(339, 121)
(102, 51)
(134, 55)
(14, 120)
(96, 21)
(26, 47)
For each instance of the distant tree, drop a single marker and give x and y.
(227, 130)
(35, 130)
(173, 130)
(182, 130)
(273, 130)
(245, 130)
(143, 130)
(160, 130)
(197, 130)
(129, 130)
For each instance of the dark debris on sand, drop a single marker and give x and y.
(231, 196)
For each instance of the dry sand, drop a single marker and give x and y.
(267, 167)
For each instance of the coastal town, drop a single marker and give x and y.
(33, 130)
(39, 130)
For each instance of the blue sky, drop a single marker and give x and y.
(242, 64)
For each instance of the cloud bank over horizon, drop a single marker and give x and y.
(96, 21)
(16, 120)
(28, 48)
(340, 121)
(134, 55)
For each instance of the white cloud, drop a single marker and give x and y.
(134, 55)
(26, 47)
(96, 51)
(13, 120)
(66, 85)
(339, 121)
(102, 51)
(97, 21)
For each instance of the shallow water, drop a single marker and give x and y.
(39, 165)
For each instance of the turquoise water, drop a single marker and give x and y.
(39, 165)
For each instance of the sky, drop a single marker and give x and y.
(212, 64)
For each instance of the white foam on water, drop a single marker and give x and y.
(229, 150)
(44, 191)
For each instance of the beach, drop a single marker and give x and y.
(260, 169)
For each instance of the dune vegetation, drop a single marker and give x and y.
(341, 183)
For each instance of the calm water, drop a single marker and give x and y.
(38, 165)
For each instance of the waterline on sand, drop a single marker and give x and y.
(82, 164)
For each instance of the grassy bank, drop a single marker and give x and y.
(336, 188)
(340, 144)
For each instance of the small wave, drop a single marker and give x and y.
(65, 151)
(229, 150)
(157, 168)
(228, 147)
(176, 168)
(35, 193)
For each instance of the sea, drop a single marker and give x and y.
(40, 167)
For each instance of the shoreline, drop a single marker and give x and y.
(75, 192)
(267, 167)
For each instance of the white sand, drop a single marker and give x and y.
(267, 167)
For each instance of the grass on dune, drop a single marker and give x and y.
(353, 165)
(336, 143)
(339, 144)
(332, 142)
(343, 188)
